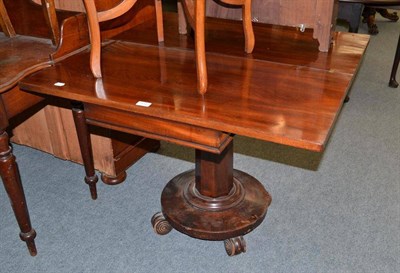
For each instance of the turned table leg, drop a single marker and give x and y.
(393, 83)
(86, 148)
(213, 202)
(12, 184)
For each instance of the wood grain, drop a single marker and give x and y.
(293, 100)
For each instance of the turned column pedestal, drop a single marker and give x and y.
(213, 202)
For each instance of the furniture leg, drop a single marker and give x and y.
(213, 202)
(248, 27)
(393, 83)
(13, 186)
(95, 18)
(159, 19)
(195, 11)
(202, 82)
(86, 148)
(182, 19)
(49, 10)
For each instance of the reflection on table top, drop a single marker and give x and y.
(285, 96)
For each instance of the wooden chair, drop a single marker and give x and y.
(195, 15)
(94, 19)
(23, 56)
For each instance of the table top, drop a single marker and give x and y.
(292, 100)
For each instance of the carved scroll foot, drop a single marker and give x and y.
(235, 246)
(160, 224)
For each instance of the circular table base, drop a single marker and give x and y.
(228, 220)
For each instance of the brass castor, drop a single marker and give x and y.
(160, 225)
(235, 246)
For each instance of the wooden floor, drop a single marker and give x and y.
(286, 92)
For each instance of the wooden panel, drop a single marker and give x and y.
(34, 126)
(278, 12)
(16, 101)
(316, 14)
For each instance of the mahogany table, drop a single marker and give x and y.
(275, 94)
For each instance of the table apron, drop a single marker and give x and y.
(184, 134)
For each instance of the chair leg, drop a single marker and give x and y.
(248, 27)
(49, 10)
(195, 10)
(95, 38)
(182, 19)
(159, 18)
(13, 186)
(393, 83)
(202, 78)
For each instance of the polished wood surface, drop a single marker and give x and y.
(263, 98)
(95, 17)
(195, 13)
(274, 43)
(221, 202)
(28, 18)
(148, 90)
